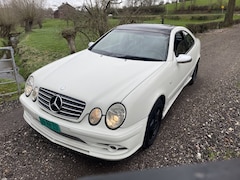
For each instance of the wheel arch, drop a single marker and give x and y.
(162, 99)
(152, 131)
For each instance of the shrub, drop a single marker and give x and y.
(206, 17)
(200, 28)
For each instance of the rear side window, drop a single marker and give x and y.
(183, 42)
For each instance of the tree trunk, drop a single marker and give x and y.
(228, 20)
(5, 30)
(70, 35)
(71, 44)
(28, 25)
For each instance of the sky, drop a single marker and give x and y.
(56, 3)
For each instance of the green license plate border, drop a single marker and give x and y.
(51, 125)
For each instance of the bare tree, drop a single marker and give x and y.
(70, 35)
(149, 2)
(28, 11)
(228, 20)
(137, 3)
(97, 14)
(68, 13)
(131, 14)
(132, 3)
(7, 19)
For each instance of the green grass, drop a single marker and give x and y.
(206, 2)
(45, 45)
(184, 19)
(1, 42)
(48, 38)
(8, 88)
(216, 3)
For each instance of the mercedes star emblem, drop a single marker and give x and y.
(55, 103)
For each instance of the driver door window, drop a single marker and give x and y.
(183, 43)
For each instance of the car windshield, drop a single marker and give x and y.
(134, 45)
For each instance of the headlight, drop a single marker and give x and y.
(29, 86)
(95, 116)
(115, 116)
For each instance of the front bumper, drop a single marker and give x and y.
(84, 138)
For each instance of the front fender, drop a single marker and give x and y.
(140, 101)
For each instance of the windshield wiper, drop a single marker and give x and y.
(138, 58)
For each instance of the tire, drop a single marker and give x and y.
(194, 75)
(153, 124)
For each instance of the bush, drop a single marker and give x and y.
(153, 10)
(173, 17)
(200, 28)
(206, 17)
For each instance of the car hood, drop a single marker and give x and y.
(95, 78)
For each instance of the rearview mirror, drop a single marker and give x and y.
(183, 58)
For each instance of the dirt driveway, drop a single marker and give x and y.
(203, 125)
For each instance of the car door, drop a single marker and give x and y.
(183, 44)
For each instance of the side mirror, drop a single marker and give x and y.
(90, 44)
(183, 58)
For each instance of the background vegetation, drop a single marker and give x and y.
(41, 39)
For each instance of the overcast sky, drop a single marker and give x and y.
(56, 3)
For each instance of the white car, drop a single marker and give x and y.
(108, 101)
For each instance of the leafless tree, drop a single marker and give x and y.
(131, 3)
(137, 3)
(70, 35)
(149, 2)
(7, 19)
(97, 14)
(131, 15)
(29, 11)
(68, 13)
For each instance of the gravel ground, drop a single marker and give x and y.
(203, 125)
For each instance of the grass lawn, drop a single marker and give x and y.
(8, 88)
(184, 19)
(213, 3)
(49, 38)
(43, 46)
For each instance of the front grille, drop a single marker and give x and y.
(71, 109)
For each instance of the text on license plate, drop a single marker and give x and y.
(51, 125)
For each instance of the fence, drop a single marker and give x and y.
(8, 66)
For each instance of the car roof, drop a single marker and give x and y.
(157, 28)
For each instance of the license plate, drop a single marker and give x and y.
(51, 125)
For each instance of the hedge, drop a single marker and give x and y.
(200, 28)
